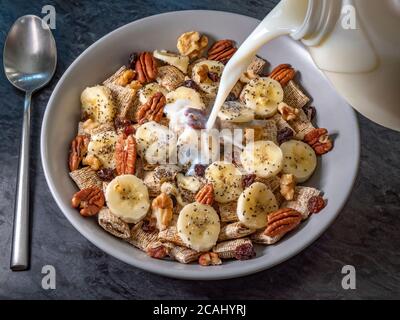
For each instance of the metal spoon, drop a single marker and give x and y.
(30, 58)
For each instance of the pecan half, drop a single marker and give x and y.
(222, 51)
(125, 154)
(319, 140)
(77, 151)
(282, 221)
(156, 250)
(153, 109)
(206, 195)
(316, 204)
(162, 207)
(89, 201)
(283, 74)
(209, 258)
(146, 68)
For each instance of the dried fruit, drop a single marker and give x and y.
(106, 174)
(195, 118)
(162, 210)
(191, 84)
(192, 44)
(206, 195)
(285, 134)
(125, 155)
(153, 109)
(319, 140)
(77, 151)
(200, 170)
(316, 204)
(146, 68)
(245, 251)
(149, 225)
(310, 112)
(213, 76)
(248, 180)
(209, 258)
(282, 221)
(283, 74)
(221, 51)
(231, 97)
(89, 201)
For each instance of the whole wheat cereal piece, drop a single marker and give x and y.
(227, 211)
(141, 239)
(234, 230)
(294, 96)
(228, 249)
(300, 200)
(181, 254)
(261, 238)
(171, 235)
(113, 224)
(85, 178)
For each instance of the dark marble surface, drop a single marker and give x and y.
(365, 235)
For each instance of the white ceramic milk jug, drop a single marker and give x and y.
(356, 43)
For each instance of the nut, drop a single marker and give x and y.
(126, 77)
(156, 250)
(221, 51)
(92, 161)
(283, 74)
(125, 154)
(162, 210)
(206, 195)
(282, 221)
(319, 140)
(135, 85)
(209, 258)
(146, 68)
(192, 44)
(245, 251)
(153, 109)
(202, 73)
(288, 113)
(77, 151)
(287, 184)
(89, 201)
(316, 204)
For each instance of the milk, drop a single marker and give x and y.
(354, 42)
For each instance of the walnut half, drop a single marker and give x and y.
(192, 44)
(287, 184)
(162, 210)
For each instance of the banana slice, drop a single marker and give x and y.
(263, 96)
(128, 198)
(235, 111)
(201, 75)
(254, 205)
(226, 180)
(180, 62)
(263, 158)
(191, 96)
(188, 145)
(299, 159)
(97, 104)
(198, 226)
(148, 133)
(149, 90)
(102, 146)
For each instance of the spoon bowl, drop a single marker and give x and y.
(30, 58)
(30, 54)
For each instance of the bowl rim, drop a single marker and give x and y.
(255, 267)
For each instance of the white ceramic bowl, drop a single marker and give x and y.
(336, 171)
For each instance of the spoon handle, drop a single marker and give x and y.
(20, 243)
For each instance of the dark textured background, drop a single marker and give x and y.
(365, 235)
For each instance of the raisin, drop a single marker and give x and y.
(213, 76)
(200, 170)
(132, 60)
(245, 252)
(148, 226)
(191, 84)
(316, 204)
(284, 135)
(310, 112)
(106, 174)
(120, 123)
(231, 97)
(248, 180)
(195, 118)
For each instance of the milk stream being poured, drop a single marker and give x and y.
(284, 19)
